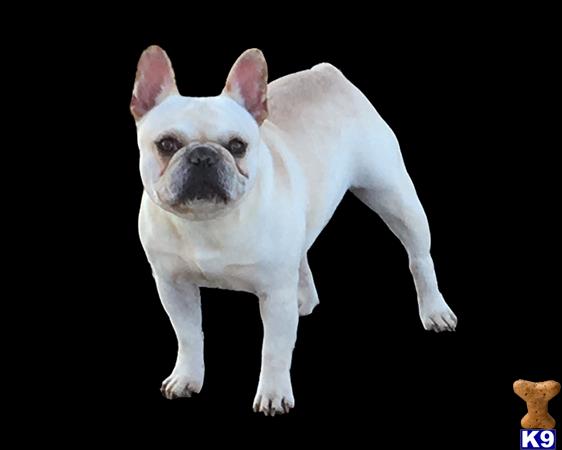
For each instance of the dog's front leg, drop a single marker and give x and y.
(280, 315)
(182, 302)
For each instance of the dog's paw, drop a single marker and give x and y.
(273, 404)
(274, 398)
(180, 385)
(437, 316)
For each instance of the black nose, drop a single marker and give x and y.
(202, 156)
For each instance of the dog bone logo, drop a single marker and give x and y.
(537, 395)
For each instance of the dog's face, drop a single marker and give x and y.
(198, 155)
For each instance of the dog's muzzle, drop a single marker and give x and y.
(201, 177)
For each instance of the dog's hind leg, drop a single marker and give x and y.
(392, 195)
(307, 295)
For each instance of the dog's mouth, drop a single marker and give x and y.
(203, 190)
(195, 201)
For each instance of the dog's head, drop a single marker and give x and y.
(198, 155)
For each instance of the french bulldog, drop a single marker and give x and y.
(238, 186)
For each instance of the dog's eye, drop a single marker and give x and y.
(237, 147)
(168, 145)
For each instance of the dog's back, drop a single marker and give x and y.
(295, 99)
(331, 129)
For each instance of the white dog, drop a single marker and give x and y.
(238, 187)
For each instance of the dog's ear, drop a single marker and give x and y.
(154, 81)
(247, 83)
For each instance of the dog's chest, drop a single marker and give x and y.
(224, 268)
(241, 255)
(208, 258)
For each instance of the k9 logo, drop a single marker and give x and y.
(538, 439)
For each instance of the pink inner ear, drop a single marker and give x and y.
(249, 82)
(155, 77)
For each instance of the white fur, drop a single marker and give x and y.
(322, 138)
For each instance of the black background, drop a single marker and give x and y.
(470, 96)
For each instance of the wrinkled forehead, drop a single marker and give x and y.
(198, 118)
